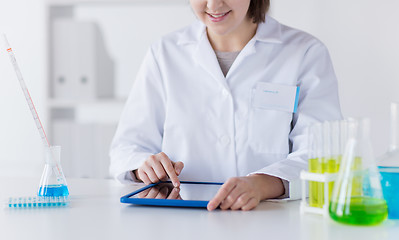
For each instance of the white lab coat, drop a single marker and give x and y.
(182, 104)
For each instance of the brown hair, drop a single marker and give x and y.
(257, 10)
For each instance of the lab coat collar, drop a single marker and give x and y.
(269, 32)
(192, 34)
(206, 58)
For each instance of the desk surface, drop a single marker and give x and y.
(96, 213)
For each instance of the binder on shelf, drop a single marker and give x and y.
(82, 68)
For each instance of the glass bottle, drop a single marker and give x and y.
(357, 196)
(53, 182)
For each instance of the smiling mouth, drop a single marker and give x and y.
(220, 15)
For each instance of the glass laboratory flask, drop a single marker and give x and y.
(357, 196)
(389, 167)
(53, 182)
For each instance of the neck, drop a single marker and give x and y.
(235, 40)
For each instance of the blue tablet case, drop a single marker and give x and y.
(166, 202)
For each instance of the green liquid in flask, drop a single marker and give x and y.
(362, 211)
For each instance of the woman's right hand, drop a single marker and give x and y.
(159, 167)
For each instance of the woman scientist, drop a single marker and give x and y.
(230, 96)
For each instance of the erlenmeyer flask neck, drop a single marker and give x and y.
(394, 133)
(358, 130)
(364, 129)
(365, 147)
(52, 155)
(391, 157)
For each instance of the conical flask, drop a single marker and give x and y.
(389, 166)
(53, 182)
(357, 196)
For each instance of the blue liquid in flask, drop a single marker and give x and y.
(53, 182)
(53, 190)
(390, 188)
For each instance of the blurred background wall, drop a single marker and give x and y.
(361, 35)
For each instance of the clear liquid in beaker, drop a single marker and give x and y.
(53, 182)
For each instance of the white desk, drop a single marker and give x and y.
(96, 213)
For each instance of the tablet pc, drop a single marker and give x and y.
(189, 194)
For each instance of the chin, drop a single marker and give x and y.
(219, 30)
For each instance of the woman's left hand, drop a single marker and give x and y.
(245, 193)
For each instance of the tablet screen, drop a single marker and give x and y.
(186, 191)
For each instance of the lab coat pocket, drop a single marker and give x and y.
(268, 128)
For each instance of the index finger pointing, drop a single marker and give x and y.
(223, 192)
(170, 170)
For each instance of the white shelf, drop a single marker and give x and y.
(59, 103)
(96, 111)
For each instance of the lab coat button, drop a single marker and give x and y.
(225, 140)
(225, 93)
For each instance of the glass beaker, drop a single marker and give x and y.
(52, 182)
(389, 167)
(357, 196)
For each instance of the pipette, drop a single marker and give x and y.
(26, 92)
(50, 185)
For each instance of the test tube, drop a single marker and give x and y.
(315, 163)
(331, 152)
(335, 145)
(326, 160)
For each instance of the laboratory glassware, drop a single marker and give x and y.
(389, 167)
(357, 196)
(323, 158)
(315, 164)
(331, 150)
(53, 182)
(36, 202)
